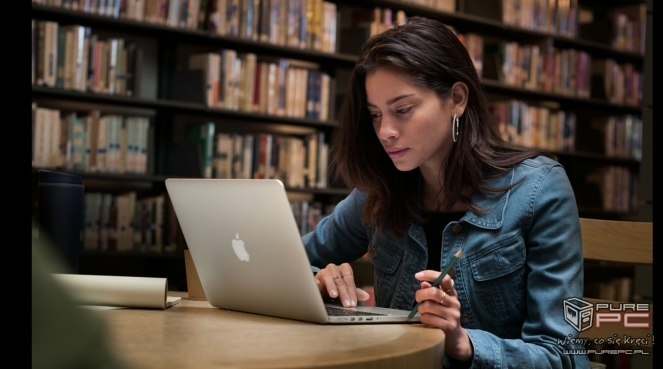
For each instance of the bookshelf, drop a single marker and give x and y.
(163, 89)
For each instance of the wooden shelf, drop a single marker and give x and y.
(567, 101)
(180, 107)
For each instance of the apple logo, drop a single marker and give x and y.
(240, 250)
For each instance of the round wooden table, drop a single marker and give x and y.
(193, 334)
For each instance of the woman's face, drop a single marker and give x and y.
(412, 122)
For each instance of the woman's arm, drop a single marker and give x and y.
(339, 237)
(555, 264)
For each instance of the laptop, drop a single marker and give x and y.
(247, 249)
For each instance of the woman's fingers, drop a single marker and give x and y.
(347, 291)
(428, 276)
(338, 282)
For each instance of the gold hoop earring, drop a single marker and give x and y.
(455, 130)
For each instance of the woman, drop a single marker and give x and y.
(431, 176)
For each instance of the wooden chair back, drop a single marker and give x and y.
(624, 242)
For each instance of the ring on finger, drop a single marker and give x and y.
(345, 275)
(444, 297)
(337, 277)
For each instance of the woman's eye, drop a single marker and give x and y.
(404, 110)
(375, 116)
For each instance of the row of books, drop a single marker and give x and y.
(546, 69)
(304, 24)
(555, 130)
(618, 187)
(539, 67)
(298, 161)
(474, 44)
(244, 82)
(111, 8)
(359, 24)
(92, 142)
(72, 57)
(308, 214)
(621, 135)
(443, 5)
(619, 83)
(551, 16)
(564, 71)
(126, 222)
(77, 59)
(534, 126)
(110, 143)
(622, 26)
(630, 28)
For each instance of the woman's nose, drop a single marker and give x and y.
(387, 130)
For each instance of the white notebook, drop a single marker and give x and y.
(118, 291)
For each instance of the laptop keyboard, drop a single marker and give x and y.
(337, 311)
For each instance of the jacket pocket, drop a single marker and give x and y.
(503, 258)
(498, 283)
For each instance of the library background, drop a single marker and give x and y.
(126, 93)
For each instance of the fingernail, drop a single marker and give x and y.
(419, 275)
(333, 293)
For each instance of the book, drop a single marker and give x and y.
(118, 291)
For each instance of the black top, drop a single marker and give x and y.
(434, 224)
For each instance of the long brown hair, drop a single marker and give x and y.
(433, 56)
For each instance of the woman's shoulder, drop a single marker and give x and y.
(533, 170)
(357, 194)
(540, 169)
(540, 161)
(539, 164)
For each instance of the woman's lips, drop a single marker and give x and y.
(396, 153)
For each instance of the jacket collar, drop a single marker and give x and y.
(494, 204)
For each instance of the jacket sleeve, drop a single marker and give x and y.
(340, 236)
(555, 264)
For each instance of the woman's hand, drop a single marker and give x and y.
(337, 281)
(440, 308)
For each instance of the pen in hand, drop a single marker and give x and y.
(438, 280)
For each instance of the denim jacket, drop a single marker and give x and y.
(521, 259)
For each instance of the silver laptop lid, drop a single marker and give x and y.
(246, 246)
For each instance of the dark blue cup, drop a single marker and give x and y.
(60, 205)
